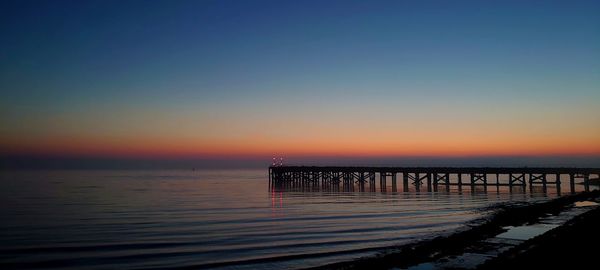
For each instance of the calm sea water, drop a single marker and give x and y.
(211, 219)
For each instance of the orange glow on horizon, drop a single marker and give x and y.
(212, 132)
(343, 147)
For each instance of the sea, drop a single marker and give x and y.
(217, 219)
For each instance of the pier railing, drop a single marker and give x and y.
(426, 178)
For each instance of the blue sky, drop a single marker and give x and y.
(155, 63)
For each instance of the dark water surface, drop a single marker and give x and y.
(211, 219)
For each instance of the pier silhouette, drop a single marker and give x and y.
(426, 178)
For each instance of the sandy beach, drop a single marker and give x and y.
(481, 245)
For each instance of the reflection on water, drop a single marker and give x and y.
(213, 219)
(526, 232)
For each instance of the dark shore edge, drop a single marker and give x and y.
(428, 250)
(573, 245)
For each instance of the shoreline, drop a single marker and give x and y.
(432, 250)
(570, 246)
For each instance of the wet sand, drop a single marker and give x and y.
(571, 246)
(561, 246)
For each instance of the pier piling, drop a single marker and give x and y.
(346, 178)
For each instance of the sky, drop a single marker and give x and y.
(306, 80)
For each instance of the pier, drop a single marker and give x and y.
(426, 178)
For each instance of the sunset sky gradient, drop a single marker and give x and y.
(253, 79)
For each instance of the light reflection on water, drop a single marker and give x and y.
(228, 219)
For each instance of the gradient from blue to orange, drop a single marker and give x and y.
(300, 78)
